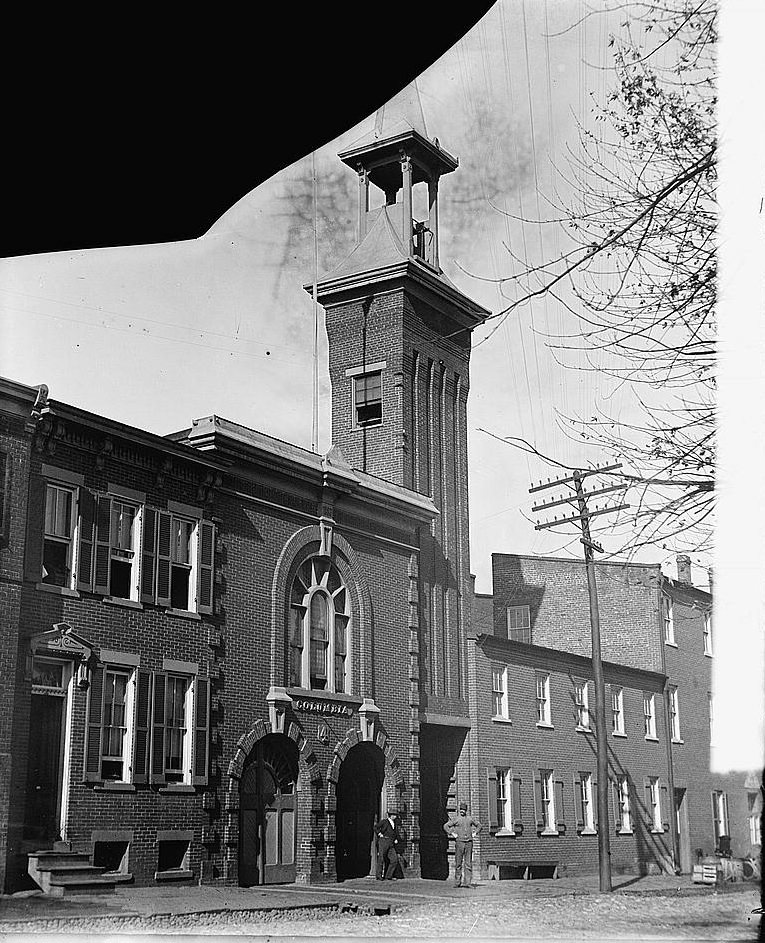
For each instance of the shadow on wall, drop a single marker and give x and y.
(511, 590)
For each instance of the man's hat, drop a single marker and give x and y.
(463, 805)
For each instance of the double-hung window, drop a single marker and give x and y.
(668, 620)
(500, 708)
(177, 741)
(519, 624)
(504, 795)
(653, 804)
(754, 810)
(544, 714)
(622, 804)
(505, 799)
(58, 541)
(649, 715)
(674, 713)
(708, 633)
(123, 577)
(116, 731)
(582, 702)
(367, 399)
(319, 628)
(617, 710)
(547, 800)
(585, 802)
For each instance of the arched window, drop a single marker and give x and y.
(318, 630)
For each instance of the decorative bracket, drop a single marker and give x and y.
(326, 529)
(278, 701)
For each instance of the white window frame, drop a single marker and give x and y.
(127, 740)
(755, 822)
(505, 798)
(193, 588)
(707, 633)
(720, 814)
(668, 619)
(625, 813)
(617, 711)
(582, 701)
(524, 628)
(137, 540)
(586, 798)
(547, 797)
(499, 676)
(188, 729)
(71, 541)
(656, 820)
(544, 712)
(649, 715)
(332, 614)
(674, 714)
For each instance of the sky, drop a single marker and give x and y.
(157, 335)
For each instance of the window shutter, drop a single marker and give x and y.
(595, 802)
(95, 717)
(578, 810)
(617, 795)
(517, 813)
(102, 549)
(664, 792)
(206, 564)
(87, 509)
(164, 537)
(632, 793)
(158, 729)
(538, 807)
(35, 530)
(148, 555)
(491, 781)
(726, 822)
(560, 812)
(201, 742)
(142, 726)
(648, 803)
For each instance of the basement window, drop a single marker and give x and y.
(173, 856)
(112, 856)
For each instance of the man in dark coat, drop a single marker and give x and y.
(387, 857)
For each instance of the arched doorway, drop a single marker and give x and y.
(359, 798)
(268, 813)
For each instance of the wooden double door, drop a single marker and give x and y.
(268, 813)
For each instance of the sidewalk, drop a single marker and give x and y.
(362, 893)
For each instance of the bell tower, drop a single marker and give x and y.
(399, 350)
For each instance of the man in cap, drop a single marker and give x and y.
(462, 828)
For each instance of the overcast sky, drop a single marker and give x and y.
(157, 335)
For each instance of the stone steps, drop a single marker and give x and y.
(62, 873)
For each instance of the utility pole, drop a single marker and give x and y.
(580, 496)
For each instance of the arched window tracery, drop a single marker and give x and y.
(319, 625)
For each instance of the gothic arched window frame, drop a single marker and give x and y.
(314, 645)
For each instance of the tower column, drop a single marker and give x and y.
(433, 217)
(406, 176)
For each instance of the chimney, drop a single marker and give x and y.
(684, 569)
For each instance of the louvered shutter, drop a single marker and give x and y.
(491, 791)
(102, 551)
(87, 510)
(206, 559)
(616, 791)
(148, 555)
(142, 726)
(158, 728)
(517, 811)
(595, 802)
(93, 730)
(648, 803)
(201, 741)
(538, 807)
(35, 530)
(164, 537)
(664, 792)
(578, 809)
(560, 811)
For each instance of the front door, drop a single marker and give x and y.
(268, 814)
(358, 806)
(43, 795)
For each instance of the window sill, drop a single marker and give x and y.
(125, 603)
(589, 831)
(119, 877)
(501, 720)
(584, 730)
(678, 740)
(652, 739)
(368, 425)
(182, 788)
(657, 831)
(184, 614)
(708, 655)
(624, 831)
(671, 644)
(619, 733)
(545, 726)
(115, 787)
(548, 831)
(308, 694)
(57, 590)
(177, 874)
(504, 833)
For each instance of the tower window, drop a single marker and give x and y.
(367, 399)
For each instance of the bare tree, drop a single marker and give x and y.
(640, 276)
